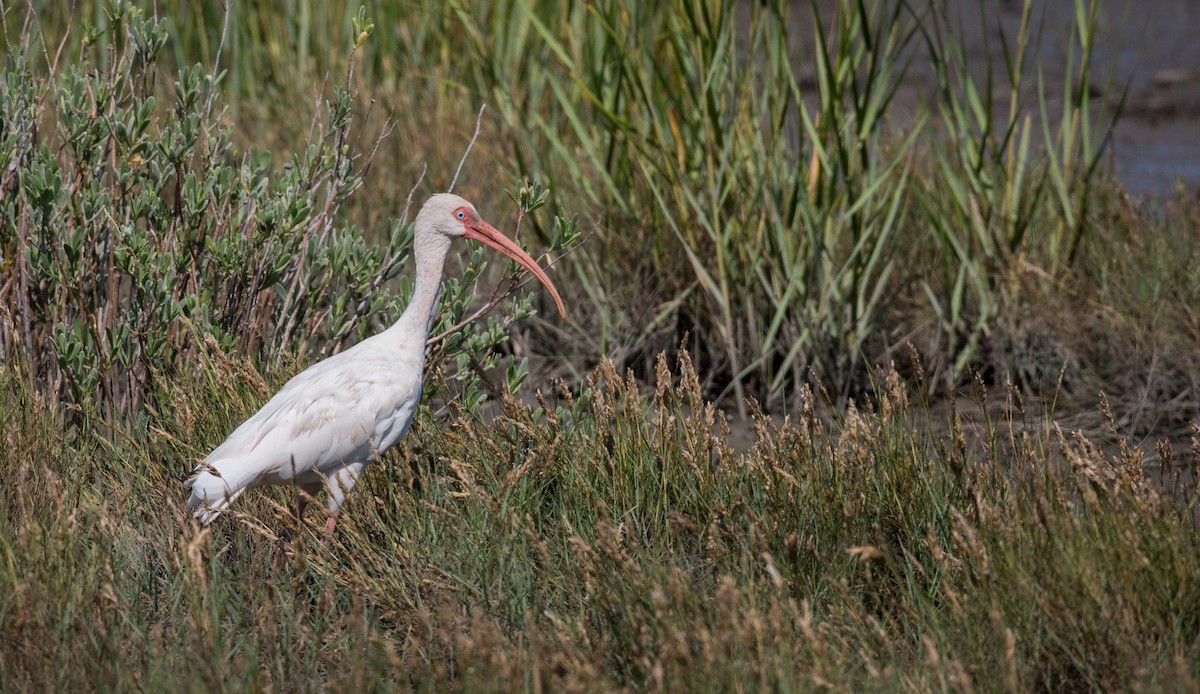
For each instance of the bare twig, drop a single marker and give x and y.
(23, 309)
(412, 191)
(388, 126)
(212, 87)
(66, 35)
(498, 297)
(31, 17)
(312, 126)
(478, 122)
(392, 259)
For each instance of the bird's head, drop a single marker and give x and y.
(448, 214)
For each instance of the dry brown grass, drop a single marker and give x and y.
(610, 540)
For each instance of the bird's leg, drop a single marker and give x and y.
(327, 599)
(338, 484)
(285, 535)
(301, 504)
(280, 549)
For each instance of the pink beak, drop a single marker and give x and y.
(488, 235)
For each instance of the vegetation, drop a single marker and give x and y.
(196, 203)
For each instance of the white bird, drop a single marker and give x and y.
(332, 419)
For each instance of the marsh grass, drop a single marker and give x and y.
(874, 530)
(609, 539)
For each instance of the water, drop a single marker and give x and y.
(1149, 47)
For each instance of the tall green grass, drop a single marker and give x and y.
(1012, 191)
(689, 128)
(742, 170)
(762, 173)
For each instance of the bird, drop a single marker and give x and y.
(326, 424)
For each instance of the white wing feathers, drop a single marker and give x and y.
(338, 413)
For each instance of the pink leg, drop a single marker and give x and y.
(339, 483)
(327, 599)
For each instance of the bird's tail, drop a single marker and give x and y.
(211, 493)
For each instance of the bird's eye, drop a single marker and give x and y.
(460, 214)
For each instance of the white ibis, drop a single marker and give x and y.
(332, 419)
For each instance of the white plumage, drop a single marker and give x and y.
(331, 420)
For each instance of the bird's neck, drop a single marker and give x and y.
(429, 253)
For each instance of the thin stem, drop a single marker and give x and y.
(496, 299)
(212, 87)
(411, 192)
(478, 122)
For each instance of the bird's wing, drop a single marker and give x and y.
(338, 411)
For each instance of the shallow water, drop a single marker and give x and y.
(1152, 47)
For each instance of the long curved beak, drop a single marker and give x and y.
(488, 235)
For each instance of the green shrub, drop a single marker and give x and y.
(135, 234)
